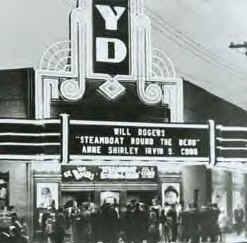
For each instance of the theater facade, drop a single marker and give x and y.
(108, 123)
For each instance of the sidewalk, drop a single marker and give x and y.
(234, 238)
(228, 238)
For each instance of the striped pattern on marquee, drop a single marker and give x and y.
(29, 137)
(231, 143)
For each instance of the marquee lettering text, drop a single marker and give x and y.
(103, 44)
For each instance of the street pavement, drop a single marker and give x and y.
(227, 238)
(234, 238)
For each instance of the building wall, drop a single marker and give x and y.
(18, 195)
(200, 106)
(195, 178)
(15, 100)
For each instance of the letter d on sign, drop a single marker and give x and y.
(102, 50)
(111, 24)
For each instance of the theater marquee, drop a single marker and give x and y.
(77, 140)
(110, 44)
(103, 173)
(145, 140)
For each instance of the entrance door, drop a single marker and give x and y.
(142, 196)
(79, 197)
(109, 197)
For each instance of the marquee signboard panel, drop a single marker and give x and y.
(76, 140)
(111, 37)
(103, 173)
(231, 143)
(138, 140)
(29, 137)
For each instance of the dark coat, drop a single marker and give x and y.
(109, 224)
(239, 215)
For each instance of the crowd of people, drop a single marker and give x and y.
(15, 231)
(135, 222)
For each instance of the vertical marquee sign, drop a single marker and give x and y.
(110, 43)
(111, 37)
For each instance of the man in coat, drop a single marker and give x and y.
(239, 216)
(109, 223)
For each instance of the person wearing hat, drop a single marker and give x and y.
(128, 222)
(85, 226)
(59, 226)
(171, 195)
(140, 221)
(75, 219)
(109, 220)
(239, 218)
(171, 200)
(95, 222)
(153, 226)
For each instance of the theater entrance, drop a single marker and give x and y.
(80, 197)
(119, 194)
(145, 197)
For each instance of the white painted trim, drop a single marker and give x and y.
(231, 148)
(38, 91)
(29, 122)
(222, 159)
(30, 134)
(231, 139)
(39, 157)
(92, 186)
(179, 101)
(28, 144)
(53, 74)
(50, 88)
(212, 150)
(78, 184)
(139, 158)
(65, 138)
(141, 124)
(233, 128)
(130, 162)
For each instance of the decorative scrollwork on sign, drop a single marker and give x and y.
(57, 57)
(162, 65)
(150, 94)
(70, 90)
(89, 55)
